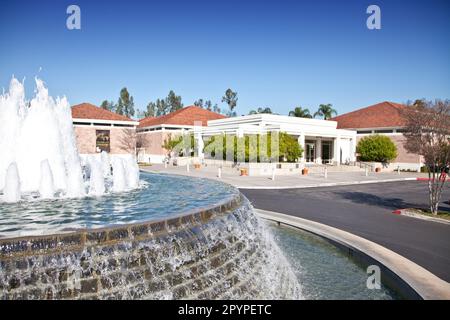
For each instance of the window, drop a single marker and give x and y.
(364, 132)
(102, 124)
(384, 131)
(81, 123)
(103, 140)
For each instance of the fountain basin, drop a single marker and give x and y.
(218, 251)
(215, 248)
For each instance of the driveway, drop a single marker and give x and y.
(366, 210)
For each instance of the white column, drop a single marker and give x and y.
(301, 142)
(337, 150)
(319, 150)
(198, 137)
(240, 152)
(200, 146)
(353, 149)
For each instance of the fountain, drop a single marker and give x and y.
(46, 187)
(11, 192)
(92, 227)
(38, 138)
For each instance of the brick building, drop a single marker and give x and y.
(153, 131)
(97, 129)
(385, 118)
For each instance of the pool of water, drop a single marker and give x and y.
(159, 196)
(323, 270)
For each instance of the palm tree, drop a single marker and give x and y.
(326, 111)
(261, 110)
(300, 112)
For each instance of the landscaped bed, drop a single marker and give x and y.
(442, 216)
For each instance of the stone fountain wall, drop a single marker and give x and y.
(221, 252)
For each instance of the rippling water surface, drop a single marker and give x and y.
(160, 196)
(324, 271)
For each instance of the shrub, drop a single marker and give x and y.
(258, 148)
(376, 148)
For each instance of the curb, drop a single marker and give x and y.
(421, 281)
(331, 184)
(410, 213)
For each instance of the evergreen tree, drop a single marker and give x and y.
(198, 103)
(151, 110)
(125, 104)
(209, 106)
(107, 105)
(261, 110)
(104, 104)
(173, 101)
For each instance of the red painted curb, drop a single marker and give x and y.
(397, 212)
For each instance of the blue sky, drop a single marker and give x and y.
(277, 53)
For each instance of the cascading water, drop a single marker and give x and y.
(38, 137)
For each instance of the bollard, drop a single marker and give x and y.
(398, 170)
(325, 174)
(273, 174)
(219, 173)
(187, 167)
(367, 172)
(165, 164)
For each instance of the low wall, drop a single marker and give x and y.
(208, 254)
(394, 166)
(258, 169)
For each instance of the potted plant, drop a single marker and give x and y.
(305, 171)
(244, 172)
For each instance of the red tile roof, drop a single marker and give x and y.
(382, 115)
(89, 111)
(185, 116)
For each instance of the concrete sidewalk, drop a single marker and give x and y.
(286, 182)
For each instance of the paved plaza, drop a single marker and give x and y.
(286, 181)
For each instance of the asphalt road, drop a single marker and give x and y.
(366, 210)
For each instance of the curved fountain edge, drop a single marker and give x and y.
(410, 279)
(14, 246)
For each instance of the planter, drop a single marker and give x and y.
(377, 169)
(244, 172)
(305, 171)
(197, 166)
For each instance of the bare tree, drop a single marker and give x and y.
(128, 141)
(428, 134)
(140, 142)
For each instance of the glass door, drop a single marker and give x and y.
(326, 151)
(310, 151)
